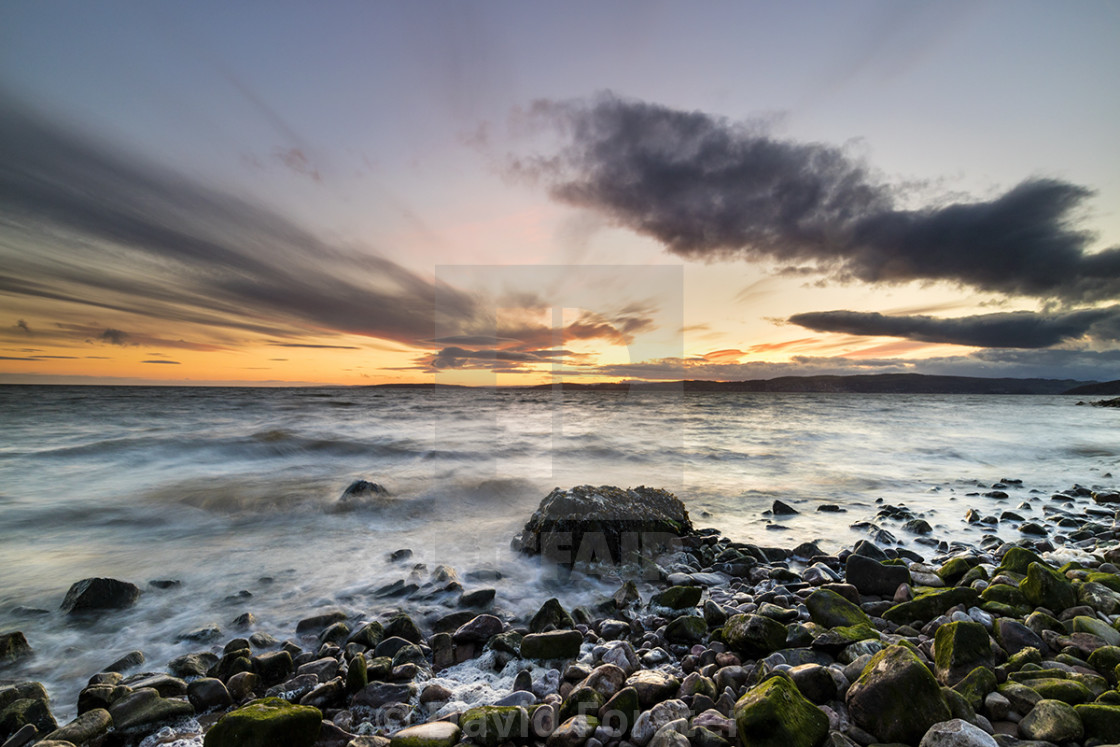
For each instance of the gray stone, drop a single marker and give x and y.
(957, 733)
(99, 594)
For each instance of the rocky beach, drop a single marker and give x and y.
(707, 641)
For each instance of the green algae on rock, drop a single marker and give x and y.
(433, 734)
(269, 722)
(896, 698)
(829, 609)
(754, 636)
(1044, 587)
(960, 647)
(928, 605)
(492, 725)
(776, 714)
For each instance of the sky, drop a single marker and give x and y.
(509, 193)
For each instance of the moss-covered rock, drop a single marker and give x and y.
(678, 597)
(85, 728)
(553, 644)
(896, 698)
(686, 629)
(754, 636)
(492, 725)
(13, 647)
(621, 711)
(1021, 697)
(1104, 660)
(960, 647)
(433, 734)
(1099, 628)
(928, 605)
(1044, 587)
(837, 639)
(976, 685)
(582, 700)
(1052, 721)
(368, 635)
(357, 674)
(954, 570)
(1110, 580)
(829, 609)
(403, 626)
(1101, 722)
(573, 732)
(269, 722)
(959, 707)
(145, 707)
(776, 714)
(1098, 596)
(1004, 594)
(1017, 560)
(1067, 691)
(551, 616)
(18, 712)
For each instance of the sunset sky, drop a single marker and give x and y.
(500, 192)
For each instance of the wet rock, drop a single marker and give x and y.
(478, 630)
(131, 660)
(926, 606)
(814, 682)
(574, 732)
(369, 635)
(492, 725)
(316, 624)
(1014, 636)
(551, 616)
(776, 714)
(829, 609)
(378, 694)
(207, 693)
(145, 708)
(686, 629)
(273, 666)
(780, 508)
(13, 647)
(959, 648)
(266, 723)
(25, 703)
(402, 626)
(652, 686)
(677, 597)
(1044, 587)
(192, 665)
(957, 733)
(649, 722)
(554, 644)
(477, 598)
(434, 734)
(1052, 721)
(329, 694)
(86, 728)
(603, 522)
(754, 636)
(1101, 722)
(93, 595)
(872, 577)
(896, 698)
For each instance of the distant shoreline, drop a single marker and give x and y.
(825, 384)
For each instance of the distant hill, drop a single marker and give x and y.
(1104, 387)
(858, 384)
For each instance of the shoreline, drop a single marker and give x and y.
(677, 632)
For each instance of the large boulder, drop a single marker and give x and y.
(98, 594)
(270, 722)
(872, 577)
(776, 714)
(1052, 721)
(754, 636)
(896, 698)
(605, 524)
(1044, 587)
(960, 647)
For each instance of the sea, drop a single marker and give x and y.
(234, 493)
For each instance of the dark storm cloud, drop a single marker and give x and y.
(710, 188)
(1016, 329)
(92, 226)
(114, 337)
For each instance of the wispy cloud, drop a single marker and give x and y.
(128, 236)
(710, 188)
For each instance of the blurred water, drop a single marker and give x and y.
(221, 488)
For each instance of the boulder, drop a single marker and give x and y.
(957, 733)
(574, 732)
(896, 698)
(85, 728)
(555, 644)
(492, 725)
(22, 704)
(960, 647)
(872, 577)
(605, 523)
(1044, 587)
(13, 647)
(1052, 721)
(754, 636)
(776, 714)
(1101, 722)
(652, 686)
(433, 734)
(678, 597)
(99, 594)
(686, 629)
(145, 707)
(928, 605)
(829, 609)
(269, 722)
(551, 616)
